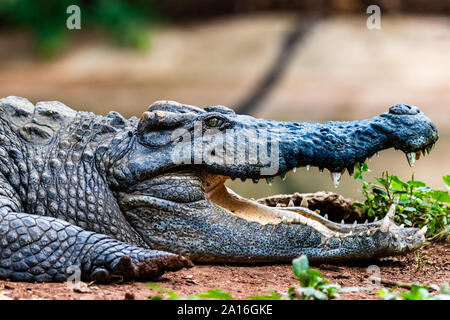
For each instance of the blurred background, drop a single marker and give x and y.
(276, 59)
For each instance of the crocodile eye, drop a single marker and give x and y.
(214, 122)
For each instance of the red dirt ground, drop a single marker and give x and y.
(244, 281)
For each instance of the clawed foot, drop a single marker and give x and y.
(128, 269)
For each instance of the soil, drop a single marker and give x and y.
(245, 281)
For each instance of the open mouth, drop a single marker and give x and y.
(194, 213)
(293, 209)
(326, 212)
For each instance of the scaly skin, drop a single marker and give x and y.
(105, 193)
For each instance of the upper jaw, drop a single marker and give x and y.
(337, 146)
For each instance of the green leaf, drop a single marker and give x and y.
(273, 296)
(311, 292)
(172, 295)
(446, 179)
(398, 183)
(300, 265)
(331, 289)
(439, 195)
(357, 204)
(416, 293)
(416, 184)
(384, 182)
(386, 295)
(215, 294)
(378, 191)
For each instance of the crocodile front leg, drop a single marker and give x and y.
(38, 248)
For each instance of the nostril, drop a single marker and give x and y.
(402, 108)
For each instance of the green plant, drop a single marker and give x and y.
(417, 204)
(126, 22)
(312, 286)
(421, 259)
(417, 292)
(171, 295)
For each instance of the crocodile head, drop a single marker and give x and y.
(170, 181)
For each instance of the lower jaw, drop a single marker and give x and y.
(291, 209)
(225, 227)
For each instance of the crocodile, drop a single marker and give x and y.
(134, 198)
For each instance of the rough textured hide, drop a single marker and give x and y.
(104, 193)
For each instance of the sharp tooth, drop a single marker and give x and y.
(386, 222)
(368, 232)
(304, 203)
(269, 181)
(424, 152)
(255, 180)
(366, 221)
(355, 223)
(320, 169)
(291, 203)
(325, 216)
(283, 176)
(342, 221)
(294, 169)
(378, 154)
(336, 178)
(418, 155)
(422, 232)
(411, 157)
(350, 233)
(391, 211)
(402, 226)
(376, 219)
(351, 170)
(384, 227)
(308, 167)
